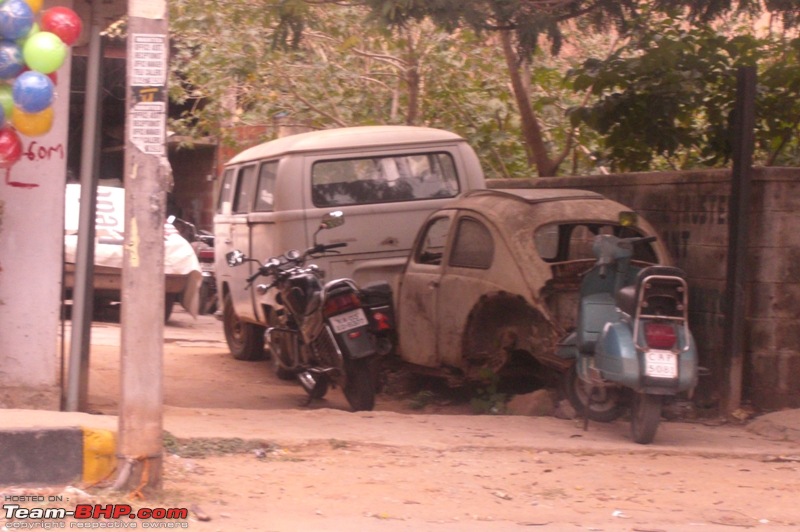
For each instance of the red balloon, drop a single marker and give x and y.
(53, 77)
(10, 147)
(64, 22)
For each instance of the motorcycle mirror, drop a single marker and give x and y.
(235, 257)
(292, 254)
(331, 220)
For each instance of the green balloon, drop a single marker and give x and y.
(44, 52)
(6, 99)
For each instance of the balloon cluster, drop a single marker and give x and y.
(30, 54)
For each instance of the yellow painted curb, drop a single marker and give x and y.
(99, 454)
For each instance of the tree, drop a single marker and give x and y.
(666, 97)
(334, 76)
(522, 23)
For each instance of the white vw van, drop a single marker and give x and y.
(386, 180)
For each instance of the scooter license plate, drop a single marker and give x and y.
(661, 364)
(348, 320)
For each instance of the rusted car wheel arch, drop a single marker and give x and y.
(503, 329)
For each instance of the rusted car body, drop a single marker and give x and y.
(493, 279)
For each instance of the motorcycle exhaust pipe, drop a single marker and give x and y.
(307, 381)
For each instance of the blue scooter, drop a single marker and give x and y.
(632, 341)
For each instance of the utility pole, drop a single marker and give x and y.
(738, 226)
(147, 180)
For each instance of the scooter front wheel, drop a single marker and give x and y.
(605, 402)
(645, 416)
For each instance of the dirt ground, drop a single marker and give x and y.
(248, 456)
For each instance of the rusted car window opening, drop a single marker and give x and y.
(563, 242)
(431, 245)
(473, 246)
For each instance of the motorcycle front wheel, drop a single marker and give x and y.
(645, 416)
(359, 386)
(605, 402)
(281, 357)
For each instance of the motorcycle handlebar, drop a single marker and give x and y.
(322, 248)
(271, 269)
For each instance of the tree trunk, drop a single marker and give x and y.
(412, 81)
(531, 131)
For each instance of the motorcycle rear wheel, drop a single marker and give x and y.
(605, 405)
(645, 416)
(359, 386)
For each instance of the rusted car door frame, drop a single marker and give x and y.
(418, 295)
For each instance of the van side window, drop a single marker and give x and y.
(225, 191)
(383, 179)
(473, 246)
(266, 187)
(245, 189)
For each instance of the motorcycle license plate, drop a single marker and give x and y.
(661, 364)
(348, 320)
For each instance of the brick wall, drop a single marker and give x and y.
(690, 211)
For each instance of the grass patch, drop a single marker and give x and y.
(203, 447)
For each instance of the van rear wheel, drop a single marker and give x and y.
(245, 340)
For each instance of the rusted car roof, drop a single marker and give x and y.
(518, 212)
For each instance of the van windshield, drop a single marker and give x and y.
(383, 179)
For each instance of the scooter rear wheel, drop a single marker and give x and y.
(605, 402)
(645, 416)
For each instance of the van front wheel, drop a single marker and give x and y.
(245, 340)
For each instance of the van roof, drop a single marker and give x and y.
(347, 137)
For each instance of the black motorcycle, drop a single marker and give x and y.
(321, 333)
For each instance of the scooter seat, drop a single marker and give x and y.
(627, 297)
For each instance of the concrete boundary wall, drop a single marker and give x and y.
(690, 211)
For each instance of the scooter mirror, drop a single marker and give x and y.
(235, 257)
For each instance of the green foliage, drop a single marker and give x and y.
(204, 447)
(487, 399)
(663, 100)
(666, 98)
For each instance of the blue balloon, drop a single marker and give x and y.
(16, 19)
(33, 91)
(11, 62)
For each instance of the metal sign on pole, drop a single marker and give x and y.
(147, 181)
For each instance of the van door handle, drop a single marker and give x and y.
(433, 284)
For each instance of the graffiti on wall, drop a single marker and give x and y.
(36, 152)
